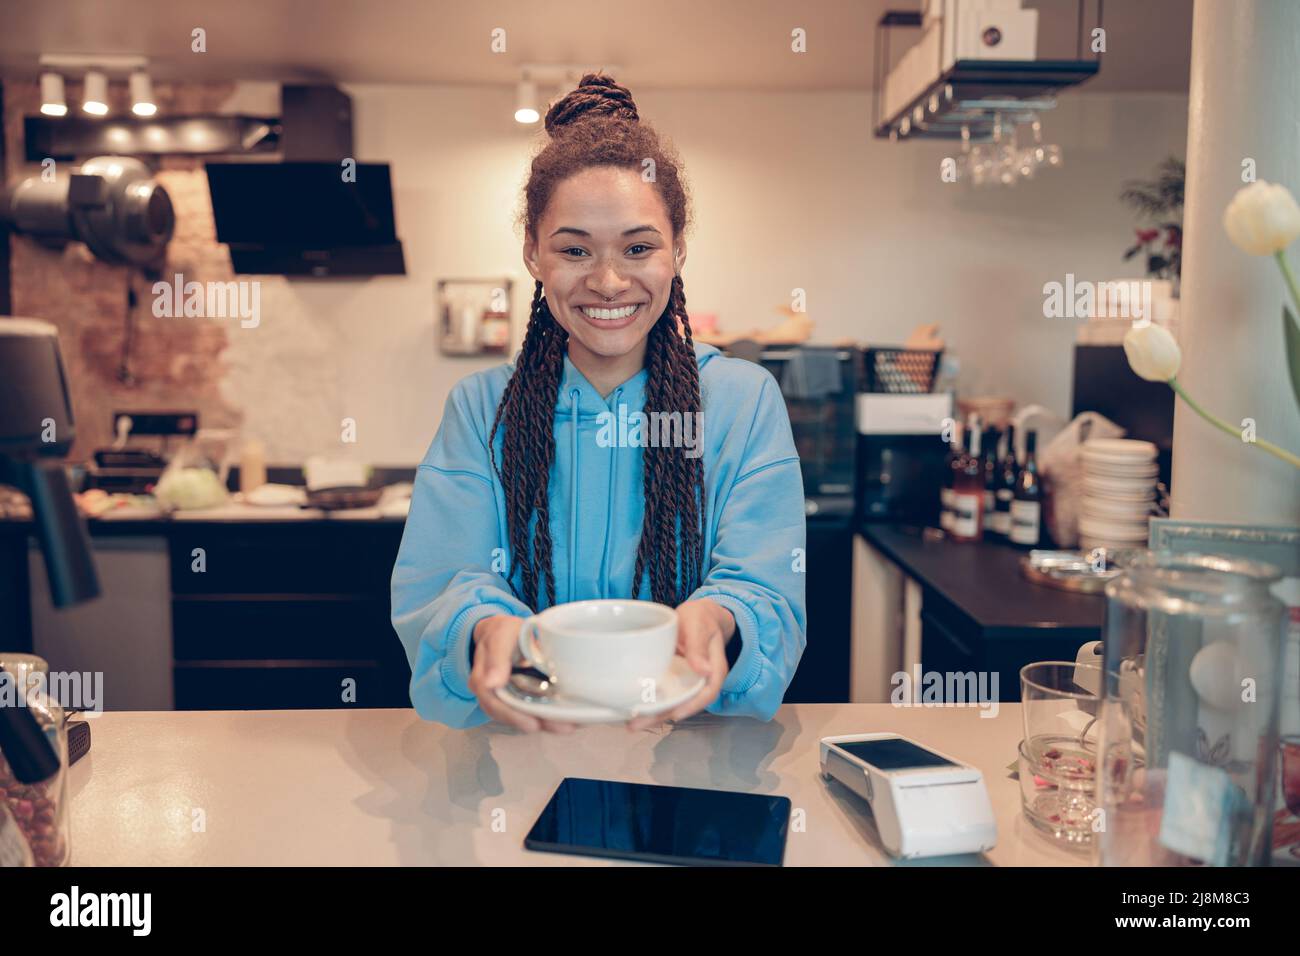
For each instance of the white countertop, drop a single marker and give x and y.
(380, 787)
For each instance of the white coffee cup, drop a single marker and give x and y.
(608, 651)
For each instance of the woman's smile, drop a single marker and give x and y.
(611, 317)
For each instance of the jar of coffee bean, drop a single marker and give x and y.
(39, 809)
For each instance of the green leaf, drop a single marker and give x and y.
(1291, 333)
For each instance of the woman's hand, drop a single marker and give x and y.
(495, 640)
(703, 629)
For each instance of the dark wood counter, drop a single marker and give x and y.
(978, 612)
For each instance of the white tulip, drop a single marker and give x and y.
(1262, 218)
(1152, 352)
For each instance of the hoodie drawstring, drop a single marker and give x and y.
(574, 393)
(609, 503)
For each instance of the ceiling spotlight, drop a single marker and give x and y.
(526, 102)
(142, 103)
(95, 100)
(53, 102)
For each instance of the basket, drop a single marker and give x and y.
(898, 371)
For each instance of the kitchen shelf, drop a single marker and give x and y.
(970, 93)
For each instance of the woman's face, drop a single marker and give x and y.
(604, 252)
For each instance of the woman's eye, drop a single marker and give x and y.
(574, 251)
(639, 245)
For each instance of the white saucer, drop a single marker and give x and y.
(676, 687)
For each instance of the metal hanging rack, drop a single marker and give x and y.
(971, 93)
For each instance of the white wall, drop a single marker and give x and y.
(791, 191)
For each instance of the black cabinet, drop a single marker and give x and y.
(285, 615)
(823, 673)
(980, 616)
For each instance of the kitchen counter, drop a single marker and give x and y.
(950, 607)
(149, 522)
(381, 787)
(983, 581)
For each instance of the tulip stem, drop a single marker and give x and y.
(1228, 429)
(1280, 256)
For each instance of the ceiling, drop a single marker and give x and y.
(715, 44)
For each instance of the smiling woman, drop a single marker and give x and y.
(501, 526)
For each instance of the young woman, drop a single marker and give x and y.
(529, 498)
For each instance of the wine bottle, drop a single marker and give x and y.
(950, 463)
(989, 447)
(1005, 486)
(968, 489)
(1027, 505)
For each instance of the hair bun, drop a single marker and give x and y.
(596, 95)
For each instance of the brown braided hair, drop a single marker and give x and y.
(597, 124)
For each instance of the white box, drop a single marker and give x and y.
(990, 32)
(880, 413)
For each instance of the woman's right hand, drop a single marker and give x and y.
(496, 639)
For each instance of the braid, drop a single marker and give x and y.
(527, 410)
(672, 534)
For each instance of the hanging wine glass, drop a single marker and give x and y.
(963, 158)
(1009, 161)
(1027, 158)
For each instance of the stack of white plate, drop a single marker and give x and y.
(1119, 489)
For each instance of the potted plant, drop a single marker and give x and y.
(1159, 202)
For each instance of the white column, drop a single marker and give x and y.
(1244, 105)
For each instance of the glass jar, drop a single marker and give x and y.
(1192, 688)
(39, 809)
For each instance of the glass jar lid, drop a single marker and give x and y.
(1194, 578)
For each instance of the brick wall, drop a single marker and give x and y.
(172, 363)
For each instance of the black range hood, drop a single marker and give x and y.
(302, 218)
(317, 213)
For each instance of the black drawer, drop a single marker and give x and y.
(274, 627)
(287, 686)
(945, 649)
(317, 558)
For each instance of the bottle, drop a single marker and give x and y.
(989, 445)
(252, 466)
(968, 489)
(1027, 505)
(950, 462)
(1005, 487)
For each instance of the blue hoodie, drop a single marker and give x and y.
(444, 581)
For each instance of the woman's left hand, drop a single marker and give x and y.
(703, 629)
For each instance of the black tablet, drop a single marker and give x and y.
(656, 824)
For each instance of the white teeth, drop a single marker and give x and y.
(610, 314)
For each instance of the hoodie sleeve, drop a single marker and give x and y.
(756, 570)
(443, 583)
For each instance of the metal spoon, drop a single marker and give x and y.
(537, 686)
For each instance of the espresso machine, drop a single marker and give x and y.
(36, 431)
(900, 430)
